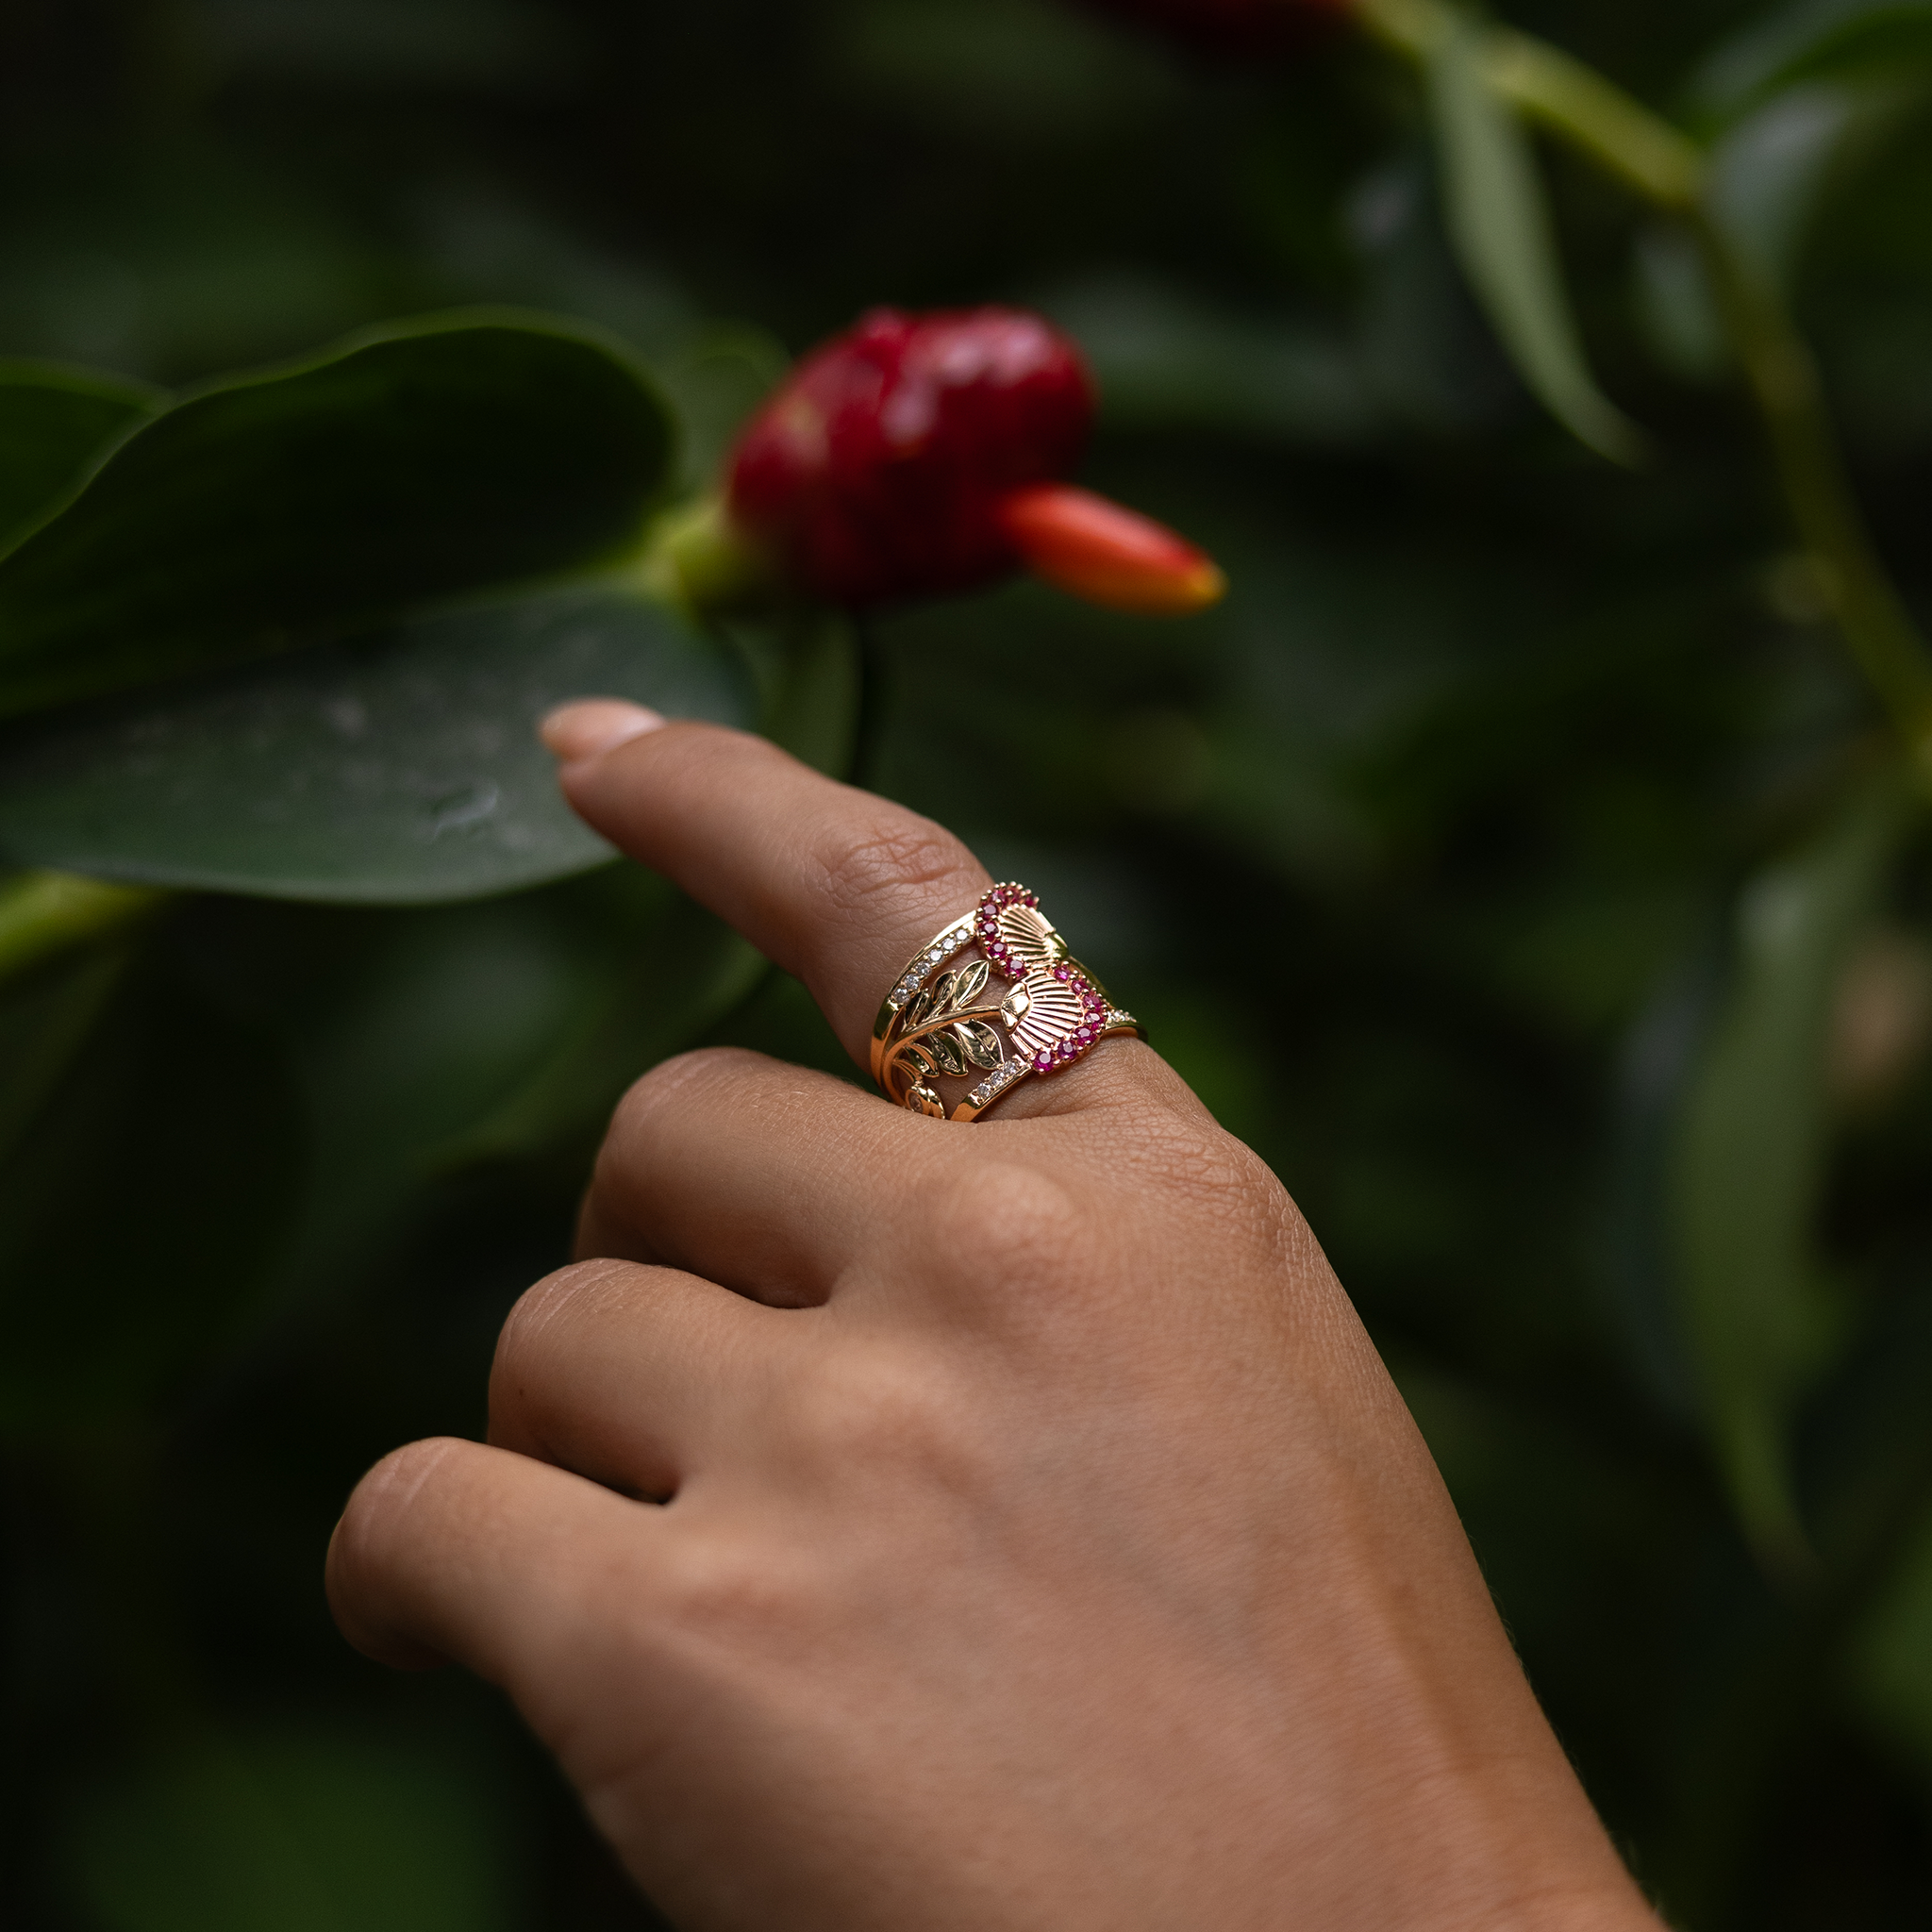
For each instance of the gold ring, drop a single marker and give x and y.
(944, 1020)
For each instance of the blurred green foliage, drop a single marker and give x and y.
(1544, 794)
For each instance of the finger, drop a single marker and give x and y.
(633, 1377)
(838, 887)
(765, 1177)
(451, 1550)
(835, 885)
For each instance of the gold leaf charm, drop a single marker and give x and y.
(972, 979)
(924, 1100)
(947, 1052)
(981, 1043)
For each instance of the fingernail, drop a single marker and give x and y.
(588, 727)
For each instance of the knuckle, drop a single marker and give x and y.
(525, 1336)
(1186, 1163)
(655, 1093)
(1015, 1228)
(888, 852)
(375, 1519)
(889, 1410)
(734, 1590)
(1202, 1165)
(652, 1106)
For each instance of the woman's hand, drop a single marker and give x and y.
(895, 1523)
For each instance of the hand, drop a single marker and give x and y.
(895, 1523)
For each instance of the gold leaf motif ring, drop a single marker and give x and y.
(994, 998)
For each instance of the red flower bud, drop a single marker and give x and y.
(873, 472)
(1083, 543)
(906, 459)
(1235, 26)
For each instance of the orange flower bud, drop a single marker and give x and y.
(1091, 549)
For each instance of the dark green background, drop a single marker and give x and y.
(1416, 855)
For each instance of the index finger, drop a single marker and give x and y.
(837, 886)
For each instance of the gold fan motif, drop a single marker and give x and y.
(1032, 936)
(1041, 1010)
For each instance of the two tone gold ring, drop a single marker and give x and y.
(995, 997)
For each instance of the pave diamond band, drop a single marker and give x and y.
(1017, 1004)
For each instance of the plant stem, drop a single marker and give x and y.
(692, 556)
(1782, 375)
(42, 912)
(1667, 168)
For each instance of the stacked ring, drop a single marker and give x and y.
(946, 1018)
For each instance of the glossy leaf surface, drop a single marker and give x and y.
(402, 767)
(1500, 222)
(421, 461)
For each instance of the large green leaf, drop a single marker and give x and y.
(427, 1042)
(400, 767)
(1501, 226)
(1749, 1154)
(53, 423)
(424, 461)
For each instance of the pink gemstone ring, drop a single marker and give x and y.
(994, 998)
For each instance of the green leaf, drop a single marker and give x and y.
(424, 461)
(1500, 224)
(1817, 39)
(650, 1001)
(424, 1042)
(300, 1830)
(398, 768)
(1748, 1159)
(53, 423)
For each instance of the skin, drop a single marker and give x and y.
(890, 1523)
